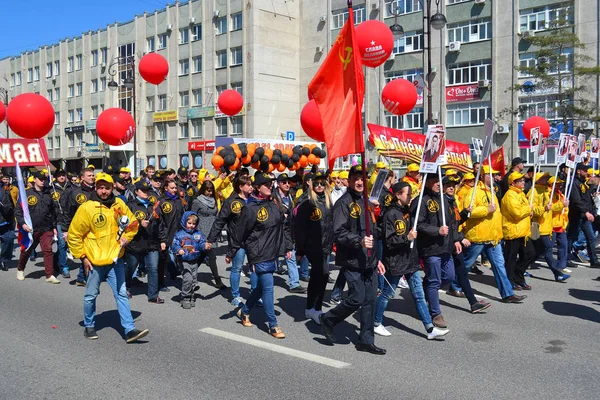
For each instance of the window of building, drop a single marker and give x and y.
(220, 89)
(409, 75)
(150, 44)
(221, 126)
(457, 1)
(71, 116)
(184, 99)
(236, 56)
(162, 41)
(57, 141)
(56, 68)
(94, 138)
(184, 132)
(221, 25)
(401, 7)
(78, 62)
(184, 36)
(57, 94)
(196, 32)
(473, 113)
(162, 131)
(197, 64)
(550, 65)
(542, 18)
(184, 67)
(36, 74)
(79, 89)
(221, 59)
(412, 120)
(237, 126)
(94, 58)
(101, 107)
(48, 70)
(12, 80)
(57, 118)
(104, 55)
(197, 97)
(339, 17)
(94, 86)
(29, 75)
(162, 102)
(543, 106)
(150, 103)
(470, 31)
(71, 138)
(102, 85)
(49, 142)
(236, 21)
(470, 72)
(49, 95)
(18, 79)
(78, 114)
(196, 128)
(409, 42)
(71, 89)
(238, 87)
(94, 112)
(70, 64)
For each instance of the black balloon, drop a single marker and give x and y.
(305, 151)
(295, 157)
(264, 159)
(275, 159)
(290, 163)
(246, 165)
(244, 152)
(255, 158)
(229, 149)
(260, 151)
(242, 145)
(223, 152)
(229, 159)
(264, 166)
(297, 149)
(277, 152)
(323, 154)
(285, 158)
(316, 151)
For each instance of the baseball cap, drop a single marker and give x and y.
(486, 170)
(60, 172)
(103, 176)
(334, 174)
(90, 166)
(308, 177)
(319, 175)
(283, 177)
(450, 172)
(397, 187)
(553, 178)
(469, 176)
(355, 170)
(581, 166)
(120, 180)
(125, 169)
(261, 178)
(541, 175)
(414, 167)
(450, 180)
(108, 169)
(380, 165)
(516, 161)
(182, 171)
(343, 175)
(142, 185)
(40, 175)
(514, 176)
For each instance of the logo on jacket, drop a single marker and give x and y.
(433, 205)
(485, 201)
(32, 200)
(355, 210)
(190, 192)
(197, 237)
(140, 215)
(583, 188)
(55, 196)
(400, 226)
(99, 220)
(236, 206)
(316, 215)
(387, 200)
(81, 198)
(152, 199)
(167, 207)
(262, 215)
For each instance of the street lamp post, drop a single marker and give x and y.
(4, 99)
(128, 83)
(436, 21)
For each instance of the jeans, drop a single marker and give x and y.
(543, 246)
(560, 238)
(380, 280)
(438, 270)
(416, 289)
(114, 275)
(60, 257)
(292, 270)
(7, 242)
(236, 270)
(264, 289)
(586, 227)
(304, 268)
(150, 258)
(496, 257)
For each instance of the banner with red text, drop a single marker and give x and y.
(26, 152)
(397, 143)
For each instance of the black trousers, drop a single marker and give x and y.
(362, 294)
(518, 255)
(317, 282)
(462, 275)
(212, 264)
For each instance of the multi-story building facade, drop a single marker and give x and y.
(269, 51)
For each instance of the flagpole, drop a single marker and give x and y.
(419, 202)
(474, 189)
(442, 194)
(554, 183)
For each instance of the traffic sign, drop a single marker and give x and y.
(290, 135)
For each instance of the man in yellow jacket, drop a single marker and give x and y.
(483, 230)
(560, 220)
(466, 186)
(542, 217)
(516, 229)
(98, 234)
(413, 178)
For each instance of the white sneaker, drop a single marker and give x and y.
(315, 316)
(52, 280)
(437, 332)
(308, 313)
(70, 256)
(381, 331)
(566, 271)
(20, 275)
(403, 284)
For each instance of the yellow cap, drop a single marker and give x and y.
(124, 169)
(343, 175)
(212, 177)
(334, 174)
(414, 167)
(486, 170)
(468, 176)
(30, 179)
(553, 178)
(450, 172)
(380, 165)
(597, 172)
(102, 176)
(91, 166)
(540, 175)
(514, 176)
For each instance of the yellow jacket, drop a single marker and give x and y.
(481, 226)
(516, 220)
(224, 187)
(414, 185)
(560, 213)
(461, 193)
(94, 230)
(371, 181)
(541, 198)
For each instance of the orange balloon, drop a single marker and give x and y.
(271, 168)
(312, 146)
(218, 149)
(297, 165)
(217, 161)
(292, 168)
(269, 153)
(303, 161)
(312, 158)
(255, 165)
(235, 165)
(317, 160)
(289, 152)
(251, 149)
(247, 159)
(238, 152)
(281, 167)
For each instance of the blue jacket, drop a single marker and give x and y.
(192, 242)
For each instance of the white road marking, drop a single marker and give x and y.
(276, 348)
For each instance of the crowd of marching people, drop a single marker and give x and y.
(164, 224)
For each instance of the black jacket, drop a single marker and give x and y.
(146, 239)
(182, 189)
(581, 200)
(398, 258)
(313, 229)
(75, 197)
(227, 217)
(42, 210)
(59, 195)
(7, 208)
(261, 232)
(172, 211)
(429, 241)
(287, 209)
(349, 229)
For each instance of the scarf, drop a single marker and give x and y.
(143, 201)
(207, 201)
(171, 196)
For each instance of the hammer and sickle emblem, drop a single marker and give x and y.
(345, 55)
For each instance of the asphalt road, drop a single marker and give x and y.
(546, 348)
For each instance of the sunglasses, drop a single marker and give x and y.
(319, 183)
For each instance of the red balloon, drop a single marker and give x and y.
(230, 102)
(154, 68)
(30, 116)
(399, 96)
(375, 42)
(310, 119)
(2, 111)
(115, 126)
(536, 122)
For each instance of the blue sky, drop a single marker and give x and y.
(29, 24)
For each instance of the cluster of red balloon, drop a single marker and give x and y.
(536, 122)
(233, 157)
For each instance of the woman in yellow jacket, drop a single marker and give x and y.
(468, 182)
(542, 216)
(560, 220)
(519, 252)
(98, 234)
